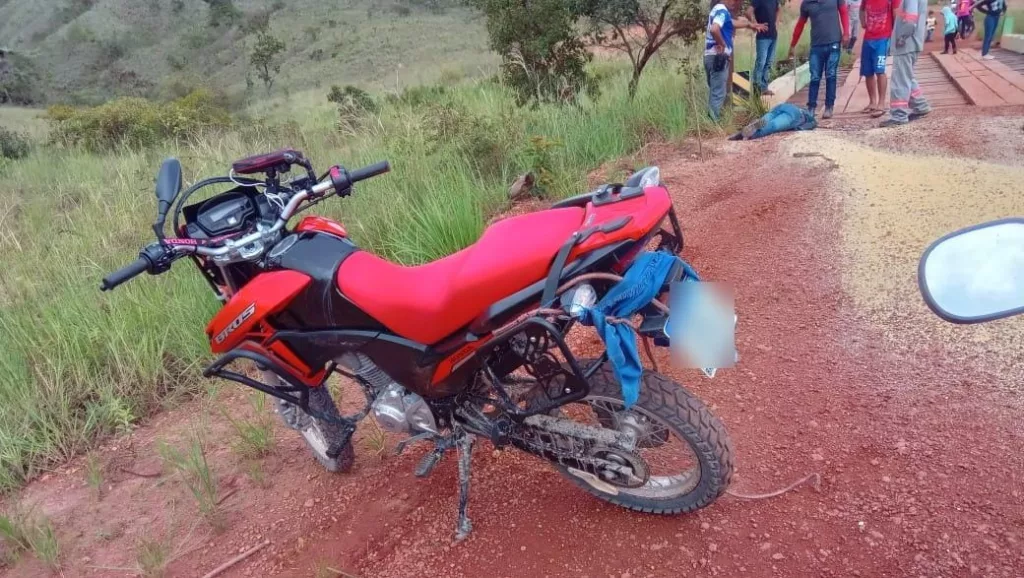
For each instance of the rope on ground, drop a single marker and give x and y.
(816, 485)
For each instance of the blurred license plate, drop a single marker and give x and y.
(702, 326)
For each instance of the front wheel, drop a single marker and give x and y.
(683, 448)
(320, 436)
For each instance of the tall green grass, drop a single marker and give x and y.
(76, 363)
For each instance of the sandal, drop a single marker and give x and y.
(879, 112)
(868, 109)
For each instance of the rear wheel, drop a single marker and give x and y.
(682, 449)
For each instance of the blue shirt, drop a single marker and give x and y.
(719, 15)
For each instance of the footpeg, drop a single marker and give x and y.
(402, 445)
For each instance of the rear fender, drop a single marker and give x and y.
(265, 295)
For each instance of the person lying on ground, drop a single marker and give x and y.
(830, 29)
(782, 117)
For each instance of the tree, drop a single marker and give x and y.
(264, 57)
(19, 79)
(222, 12)
(639, 28)
(543, 59)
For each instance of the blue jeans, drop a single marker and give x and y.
(991, 22)
(824, 60)
(763, 62)
(718, 85)
(782, 118)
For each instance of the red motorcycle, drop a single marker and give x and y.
(473, 344)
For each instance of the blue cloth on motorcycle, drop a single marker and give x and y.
(641, 283)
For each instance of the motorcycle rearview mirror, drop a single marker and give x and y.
(975, 274)
(168, 185)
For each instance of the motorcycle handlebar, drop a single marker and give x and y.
(369, 171)
(137, 267)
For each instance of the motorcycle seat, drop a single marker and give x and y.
(426, 303)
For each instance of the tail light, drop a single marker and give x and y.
(619, 268)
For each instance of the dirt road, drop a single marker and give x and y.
(913, 425)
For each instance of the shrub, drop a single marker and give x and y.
(353, 105)
(137, 122)
(19, 80)
(223, 12)
(420, 95)
(487, 143)
(13, 145)
(539, 156)
(543, 59)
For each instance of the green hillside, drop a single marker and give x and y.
(87, 51)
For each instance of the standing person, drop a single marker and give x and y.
(855, 24)
(992, 9)
(718, 51)
(930, 29)
(830, 27)
(963, 13)
(906, 100)
(949, 21)
(877, 17)
(764, 12)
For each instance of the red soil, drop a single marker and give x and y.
(920, 462)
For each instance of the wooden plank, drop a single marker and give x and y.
(978, 93)
(950, 65)
(1006, 91)
(1011, 76)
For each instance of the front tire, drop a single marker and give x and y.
(320, 436)
(678, 414)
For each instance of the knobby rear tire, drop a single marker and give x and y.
(690, 420)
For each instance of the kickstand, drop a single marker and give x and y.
(465, 443)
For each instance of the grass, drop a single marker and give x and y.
(254, 438)
(376, 439)
(155, 551)
(23, 531)
(193, 469)
(78, 364)
(94, 474)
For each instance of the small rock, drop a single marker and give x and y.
(309, 503)
(705, 526)
(522, 548)
(778, 556)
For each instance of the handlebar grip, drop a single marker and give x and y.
(137, 267)
(370, 171)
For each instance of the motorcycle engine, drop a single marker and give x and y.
(402, 412)
(394, 408)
